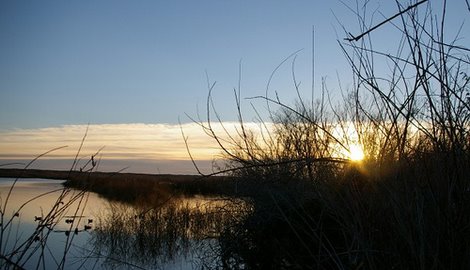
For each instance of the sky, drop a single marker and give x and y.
(143, 148)
(66, 65)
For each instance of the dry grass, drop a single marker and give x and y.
(406, 205)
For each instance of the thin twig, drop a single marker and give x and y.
(356, 38)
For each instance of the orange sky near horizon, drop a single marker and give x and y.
(121, 144)
(120, 141)
(127, 144)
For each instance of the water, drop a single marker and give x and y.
(178, 233)
(55, 218)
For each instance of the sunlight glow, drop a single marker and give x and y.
(120, 141)
(356, 153)
(147, 142)
(138, 147)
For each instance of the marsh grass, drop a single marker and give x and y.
(135, 188)
(150, 235)
(124, 188)
(406, 205)
(31, 250)
(305, 204)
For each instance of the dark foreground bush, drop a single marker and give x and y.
(405, 205)
(406, 219)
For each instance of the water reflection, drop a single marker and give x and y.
(47, 226)
(44, 225)
(181, 231)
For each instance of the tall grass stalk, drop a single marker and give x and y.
(17, 250)
(406, 205)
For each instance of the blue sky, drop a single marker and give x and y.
(75, 62)
(64, 64)
(115, 61)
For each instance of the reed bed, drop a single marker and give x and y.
(32, 251)
(148, 235)
(406, 204)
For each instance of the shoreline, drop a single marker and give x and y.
(130, 186)
(69, 175)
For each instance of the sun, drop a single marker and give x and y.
(355, 152)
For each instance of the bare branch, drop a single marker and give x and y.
(356, 38)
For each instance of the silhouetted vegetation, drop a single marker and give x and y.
(31, 250)
(144, 235)
(406, 205)
(302, 202)
(131, 187)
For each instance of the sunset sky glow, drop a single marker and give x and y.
(133, 69)
(120, 143)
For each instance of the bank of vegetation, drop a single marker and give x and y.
(406, 205)
(130, 187)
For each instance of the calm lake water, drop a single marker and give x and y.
(42, 220)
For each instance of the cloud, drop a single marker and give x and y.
(120, 141)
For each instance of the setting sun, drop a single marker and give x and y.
(356, 153)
